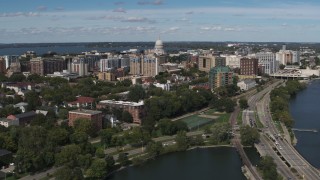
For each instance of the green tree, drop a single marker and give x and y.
(243, 103)
(67, 173)
(123, 159)
(110, 161)
(249, 135)
(154, 149)
(268, 168)
(220, 133)
(84, 125)
(63, 114)
(97, 170)
(69, 156)
(100, 153)
(127, 117)
(182, 141)
(38, 120)
(33, 100)
(17, 77)
(136, 93)
(106, 136)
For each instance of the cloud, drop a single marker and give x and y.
(138, 19)
(156, 2)
(119, 3)
(42, 8)
(220, 28)
(171, 30)
(20, 14)
(189, 12)
(120, 10)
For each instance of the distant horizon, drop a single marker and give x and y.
(45, 21)
(171, 41)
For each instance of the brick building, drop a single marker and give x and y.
(249, 66)
(220, 76)
(94, 116)
(135, 109)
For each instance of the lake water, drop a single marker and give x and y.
(305, 110)
(198, 164)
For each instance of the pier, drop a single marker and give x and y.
(305, 130)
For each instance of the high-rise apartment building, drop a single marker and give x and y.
(43, 66)
(208, 61)
(220, 76)
(11, 59)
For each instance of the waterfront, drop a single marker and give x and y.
(204, 164)
(304, 109)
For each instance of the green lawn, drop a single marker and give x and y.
(239, 118)
(210, 112)
(195, 121)
(222, 117)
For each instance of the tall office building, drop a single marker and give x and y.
(78, 66)
(2, 65)
(220, 76)
(114, 62)
(233, 61)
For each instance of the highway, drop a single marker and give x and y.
(284, 147)
(272, 145)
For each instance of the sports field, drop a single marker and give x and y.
(194, 121)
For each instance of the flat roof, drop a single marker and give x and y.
(127, 103)
(85, 111)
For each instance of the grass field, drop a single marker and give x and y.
(194, 121)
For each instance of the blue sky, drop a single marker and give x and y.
(33, 21)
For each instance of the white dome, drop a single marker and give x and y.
(159, 44)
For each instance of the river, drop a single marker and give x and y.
(203, 164)
(305, 110)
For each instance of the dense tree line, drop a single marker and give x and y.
(268, 168)
(280, 97)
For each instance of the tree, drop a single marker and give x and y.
(33, 100)
(268, 168)
(243, 103)
(127, 117)
(84, 125)
(69, 156)
(97, 170)
(110, 161)
(58, 136)
(106, 136)
(154, 149)
(17, 77)
(100, 153)
(220, 133)
(123, 159)
(38, 120)
(182, 141)
(67, 173)
(136, 93)
(249, 135)
(63, 114)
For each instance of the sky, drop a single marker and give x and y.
(42, 21)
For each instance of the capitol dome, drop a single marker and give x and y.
(159, 44)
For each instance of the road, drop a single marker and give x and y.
(284, 147)
(272, 145)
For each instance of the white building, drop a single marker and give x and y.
(114, 63)
(267, 62)
(285, 56)
(79, 66)
(246, 84)
(22, 106)
(165, 87)
(233, 61)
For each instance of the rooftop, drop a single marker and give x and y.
(4, 152)
(85, 111)
(83, 99)
(127, 103)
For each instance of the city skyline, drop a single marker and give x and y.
(41, 21)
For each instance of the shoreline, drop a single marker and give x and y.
(191, 148)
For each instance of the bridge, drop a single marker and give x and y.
(305, 130)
